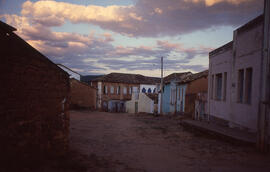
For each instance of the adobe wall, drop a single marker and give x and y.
(197, 86)
(82, 95)
(34, 118)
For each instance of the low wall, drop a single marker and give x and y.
(82, 96)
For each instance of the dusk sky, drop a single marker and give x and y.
(130, 36)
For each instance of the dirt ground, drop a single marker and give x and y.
(127, 142)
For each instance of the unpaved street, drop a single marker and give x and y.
(126, 142)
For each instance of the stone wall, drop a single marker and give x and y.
(34, 97)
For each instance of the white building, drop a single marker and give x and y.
(142, 103)
(235, 73)
(72, 73)
(148, 88)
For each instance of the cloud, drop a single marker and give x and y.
(77, 13)
(95, 53)
(212, 2)
(147, 18)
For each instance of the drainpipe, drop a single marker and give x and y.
(263, 116)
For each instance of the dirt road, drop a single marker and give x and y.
(126, 142)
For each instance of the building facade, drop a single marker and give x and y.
(115, 89)
(148, 88)
(181, 91)
(169, 99)
(235, 77)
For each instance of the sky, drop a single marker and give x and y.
(130, 36)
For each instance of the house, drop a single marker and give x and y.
(189, 89)
(169, 92)
(82, 95)
(142, 103)
(115, 89)
(149, 88)
(181, 90)
(89, 78)
(235, 77)
(34, 119)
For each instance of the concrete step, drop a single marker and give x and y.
(228, 134)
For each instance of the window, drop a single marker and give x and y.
(105, 91)
(125, 90)
(218, 86)
(182, 95)
(136, 95)
(118, 90)
(149, 90)
(112, 89)
(143, 90)
(179, 89)
(135, 89)
(173, 94)
(225, 86)
(154, 91)
(240, 86)
(130, 90)
(248, 85)
(212, 86)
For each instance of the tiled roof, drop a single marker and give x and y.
(195, 76)
(89, 78)
(75, 80)
(176, 76)
(128, 78)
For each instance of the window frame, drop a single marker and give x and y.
(218, 86)
(112, 89)
(240, 85)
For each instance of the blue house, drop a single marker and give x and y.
(174, 94)
(181, 94)
(180, 91)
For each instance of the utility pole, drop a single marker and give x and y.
(264, 110)
(161, 87)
